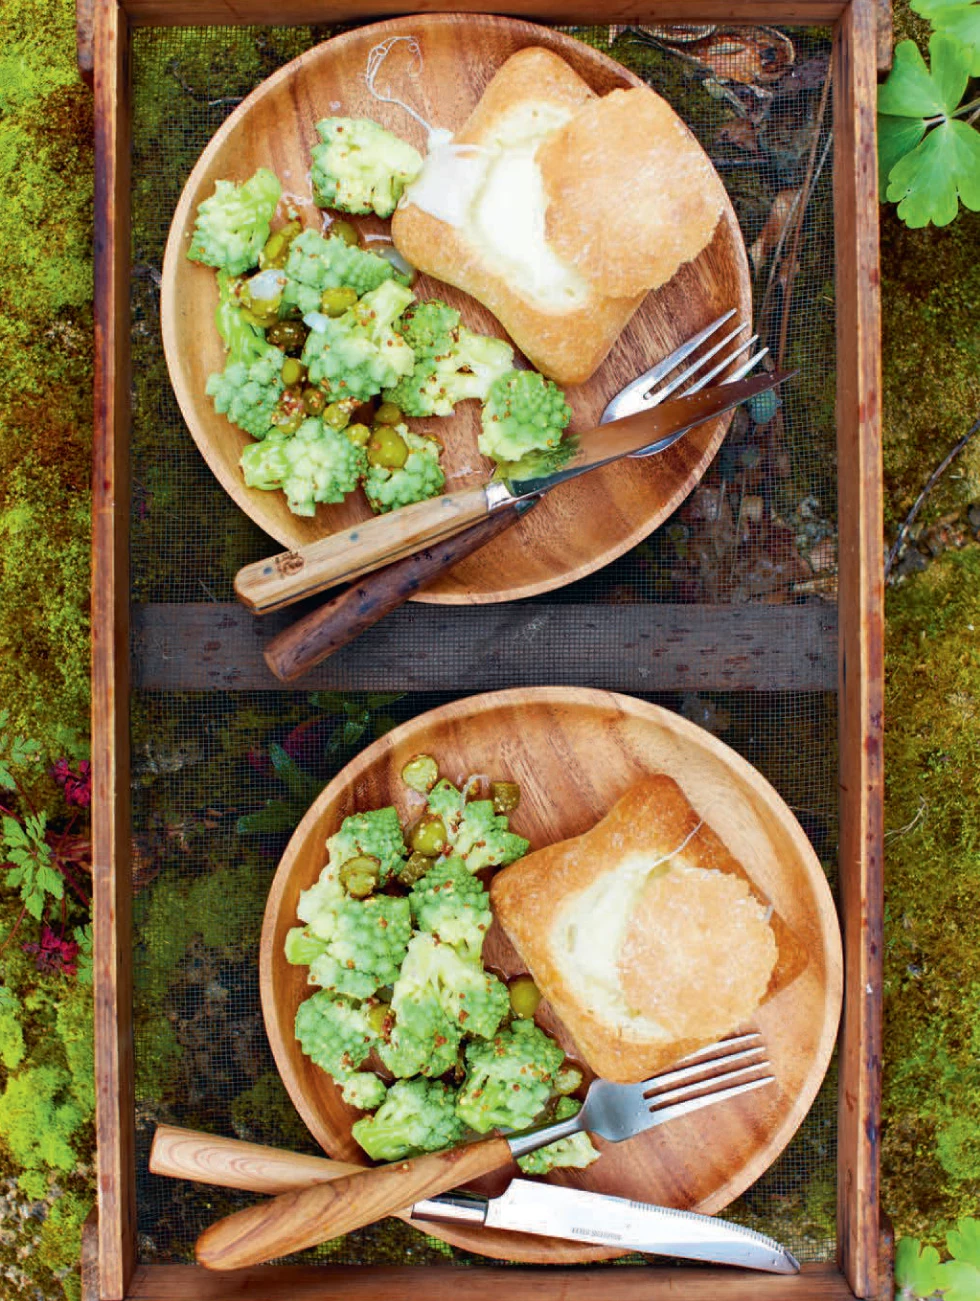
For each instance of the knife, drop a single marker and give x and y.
(555, 1211)
(290, 576)
(537, 1208)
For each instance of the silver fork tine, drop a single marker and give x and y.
(716, 370)
(650, 377)
(653, 1086)
(708, 1099)
(737, 1041)
(746, 366)
(661, 1100)
(656, 398)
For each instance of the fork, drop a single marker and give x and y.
(303, 1218)
(339, 621)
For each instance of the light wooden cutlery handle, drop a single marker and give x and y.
(336, 623)
(296, 1220)
(229, 1163)
(292, 575)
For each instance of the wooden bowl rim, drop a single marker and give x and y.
(602, 702)
(247, 499)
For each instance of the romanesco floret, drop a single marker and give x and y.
(244, 340)
(573, 1153)
(366, 1091)
(452, 905)
(435, 973)
(508, 1079)
(476, 834)
(234, 223)
(248, 393)
(334, 1032)
(466, 369)
(523, 412)
(360, 353)
(430, 328)
(316, 263)
(416, 1116)
(361, 944)
(418, 479)
(360, 167)
(315, 464)
(375, 834)
(421, 1039)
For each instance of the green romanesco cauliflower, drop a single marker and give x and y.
(358, 354)
(435, 974)
(250, 387)
(465, 366)
(508, 1079)
(430, 328)
(316, 464)
(360, 167)
(418, 479)
(524, 412)
(360, 944)
(376, 834)
(452, 905)
(234, 223)
(248, 393)
(366, 1091)
(416, 1116)
(574, 1153)
(334, 1032)
(316, 263)
(421, 1039)
(476, 834)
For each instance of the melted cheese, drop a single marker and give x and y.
(494, 195)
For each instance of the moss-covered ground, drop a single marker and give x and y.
(931, 301)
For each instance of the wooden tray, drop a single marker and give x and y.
(574, 753)
(590, 522)
(110, 1269)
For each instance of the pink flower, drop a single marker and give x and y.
(76, 785)
(53, 954)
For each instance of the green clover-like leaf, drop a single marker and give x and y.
(913, 90)
(945, 167)
(917, 1269)
(955, 19)
(959, 1281)
(897, 136)
(964, 1241)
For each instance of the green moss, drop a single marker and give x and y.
(265, 1113)
(60, 1241)
(931, 1157)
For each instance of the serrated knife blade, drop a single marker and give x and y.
(578, 1215)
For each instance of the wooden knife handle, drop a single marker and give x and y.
(280, 580)
(296, 1220)
(229, 1163)
(336, 623)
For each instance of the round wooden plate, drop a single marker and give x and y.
(585, 524)
(574, 752)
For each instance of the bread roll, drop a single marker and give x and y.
(558, 209)
(645, 934)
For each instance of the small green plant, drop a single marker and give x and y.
(920, 1274)
(928, 146)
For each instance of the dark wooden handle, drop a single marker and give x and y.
(296, 1220)
(336, 623)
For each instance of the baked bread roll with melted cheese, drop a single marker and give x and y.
(645, 934)
(559, 209)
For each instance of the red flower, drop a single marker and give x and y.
(53, 954)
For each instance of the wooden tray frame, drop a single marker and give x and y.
(110, 1271)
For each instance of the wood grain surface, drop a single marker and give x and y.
(861, 698)
(219, 646)
(111, 884)
(574, 753)
(588, 523)
(306, 1217)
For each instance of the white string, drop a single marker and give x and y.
(375, 60)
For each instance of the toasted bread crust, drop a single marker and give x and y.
(568, 345)
(654, 815)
